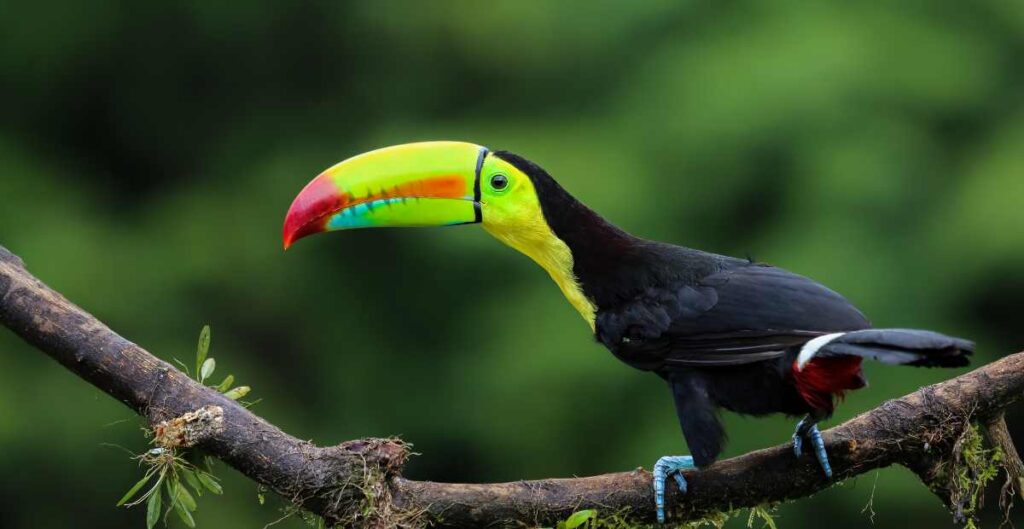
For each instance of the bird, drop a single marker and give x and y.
(721, 332)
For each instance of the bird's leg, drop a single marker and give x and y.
(807, 428)
(701, 428)
(663, 468)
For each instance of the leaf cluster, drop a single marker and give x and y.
(174, 475)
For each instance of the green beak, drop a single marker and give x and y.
(417, 184)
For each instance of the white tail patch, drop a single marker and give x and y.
(812, 347)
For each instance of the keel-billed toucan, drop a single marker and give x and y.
(722, 332)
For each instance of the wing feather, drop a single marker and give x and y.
(747, 313)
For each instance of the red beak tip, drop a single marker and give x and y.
(289, 239)
(286, 239)
(311, 208)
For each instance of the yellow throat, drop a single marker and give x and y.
(526, 230)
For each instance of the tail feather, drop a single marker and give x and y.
(901, 346)
(829, 364)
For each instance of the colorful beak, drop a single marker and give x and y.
(418, 184)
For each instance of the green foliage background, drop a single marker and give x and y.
(150, 152)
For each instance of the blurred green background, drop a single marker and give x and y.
(150, 152)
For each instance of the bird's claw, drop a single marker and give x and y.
(819, 451)
(814, 435)
(664, 467)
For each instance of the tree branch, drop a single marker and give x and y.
(358, 483)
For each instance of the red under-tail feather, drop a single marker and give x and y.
(824, 377)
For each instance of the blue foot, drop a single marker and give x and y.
(669, 466)
(819, 450)
(808, 429)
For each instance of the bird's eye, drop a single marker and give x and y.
(499, 182)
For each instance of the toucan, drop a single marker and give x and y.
(722, 332)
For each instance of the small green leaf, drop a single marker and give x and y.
(193, 480)
(238, 392)
(579, 518)
(135, 489)
(207, 369)
(153, 508)
(184, 514)
(226, 384)
(177, 499)
(203, 349)
(185, 498)
(210, 482)
(183, 366)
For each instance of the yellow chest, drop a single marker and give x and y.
(539, 243)
(514, 216)
(558, 262)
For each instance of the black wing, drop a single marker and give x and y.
(743, 314)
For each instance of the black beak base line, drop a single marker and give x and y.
(478, 214)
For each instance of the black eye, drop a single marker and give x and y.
(499, 182)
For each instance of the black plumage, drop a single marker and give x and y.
(722, 332)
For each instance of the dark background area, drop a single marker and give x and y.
(151, 150)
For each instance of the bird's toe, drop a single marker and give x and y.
(664, 467)
(819, 451)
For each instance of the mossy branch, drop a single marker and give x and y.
(358, 483)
